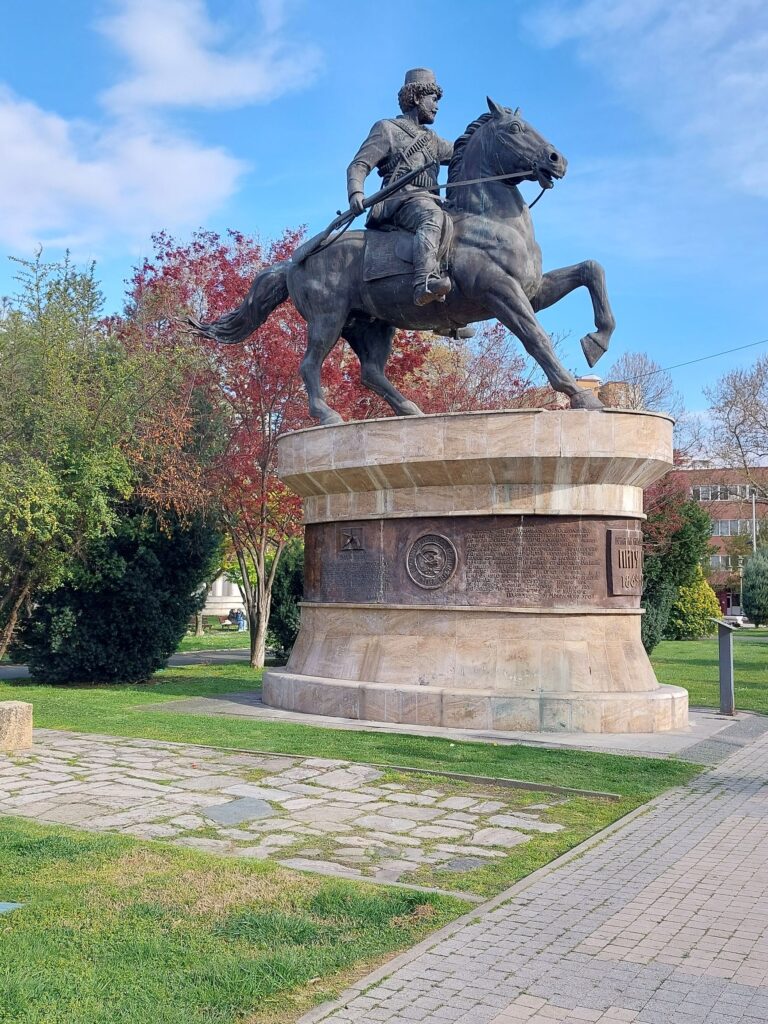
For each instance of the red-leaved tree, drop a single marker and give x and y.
(248, 395)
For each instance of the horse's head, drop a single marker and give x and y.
(509, 145)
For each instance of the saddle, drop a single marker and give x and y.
(389, 252)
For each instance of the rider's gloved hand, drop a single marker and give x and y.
(356, 203)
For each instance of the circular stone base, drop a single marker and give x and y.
(658, 710)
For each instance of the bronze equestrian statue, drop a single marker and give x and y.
(363, 285)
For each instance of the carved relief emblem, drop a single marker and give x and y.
(350, 539)
(431, 561)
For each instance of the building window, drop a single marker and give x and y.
(726, 563)
(732, 527)
(722, 492)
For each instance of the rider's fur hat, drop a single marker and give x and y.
(418, 82)
(420, 75)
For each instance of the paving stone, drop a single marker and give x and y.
(238, 834)
(521, 821)
(437, 832)
(237, 811)
(383, 823)
(505, 837)
(323, 867)
(348, 778)
(72, 814)
(411, 798)
(325, 813)
(188, 821)
(463, 849)
(149, 831)
(258, 792)
(409, 812)
(207, 845)
(458, 803)
(205, 782)
(463, 864)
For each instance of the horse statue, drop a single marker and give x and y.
(359, 286)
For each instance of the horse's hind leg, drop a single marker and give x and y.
(371, 341)
(509, 304)
(323, 332)
(558, 283)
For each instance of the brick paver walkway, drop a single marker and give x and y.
(663, 922)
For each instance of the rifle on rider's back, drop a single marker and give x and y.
(343, 220)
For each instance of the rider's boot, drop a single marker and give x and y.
(429, 285)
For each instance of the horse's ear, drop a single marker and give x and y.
(494, 108)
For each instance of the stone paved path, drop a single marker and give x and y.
(665, 921)
(328, 816)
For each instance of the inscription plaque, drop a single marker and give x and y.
(431, 561)
(537, 563)
(355, 575)
(626, 562)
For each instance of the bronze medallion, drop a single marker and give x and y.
(431, 561)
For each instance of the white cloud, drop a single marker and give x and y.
(66, 183)
(178, 56)
(697, 70)
(104, 185)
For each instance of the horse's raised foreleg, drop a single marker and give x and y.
(509, 304)
(371, 341)
(323, 332)
(558, 283)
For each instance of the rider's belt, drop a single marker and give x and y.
(426, 180)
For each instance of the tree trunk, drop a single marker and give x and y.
(13, 617)
(199, 624)
(258, 642)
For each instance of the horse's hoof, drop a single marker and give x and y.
(592, 348)
(586, 400)
(330, 419)
(410, 409)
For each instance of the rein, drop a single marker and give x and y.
(494, 177)
(344, 221)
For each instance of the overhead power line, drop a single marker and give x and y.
(701, 359)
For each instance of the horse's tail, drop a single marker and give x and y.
(268, 290)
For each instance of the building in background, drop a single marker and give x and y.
(223, 596)
(727, 495)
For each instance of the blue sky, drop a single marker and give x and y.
(123, 117)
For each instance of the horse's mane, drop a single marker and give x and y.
(457, 160)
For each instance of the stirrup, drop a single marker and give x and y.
(434, 289)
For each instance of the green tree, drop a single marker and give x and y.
(754, 594)
(287, 592)
(676, 537)
(692, 613)
(82, 422)
(125, 605)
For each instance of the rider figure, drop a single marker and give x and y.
(395, 146)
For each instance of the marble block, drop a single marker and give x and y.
(15, 725)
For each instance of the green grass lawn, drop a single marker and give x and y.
(693, 664)
(216, 640)
(112, 710)
(117, 931)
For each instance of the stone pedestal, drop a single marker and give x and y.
(15, 726)
(477, 570)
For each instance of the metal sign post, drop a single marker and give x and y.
(725, 645)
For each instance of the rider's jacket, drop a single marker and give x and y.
(395, 146)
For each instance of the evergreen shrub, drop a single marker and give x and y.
(126, 606)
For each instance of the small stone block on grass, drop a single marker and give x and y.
(15, 725)
(6, 908)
